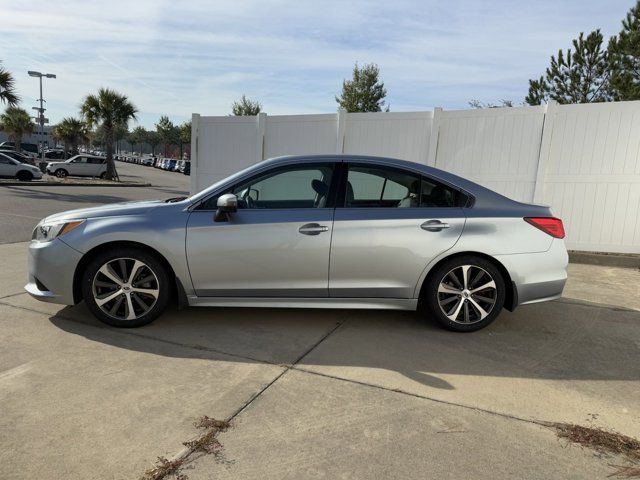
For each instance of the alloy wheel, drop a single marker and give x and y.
(125, 288)
(467, 294)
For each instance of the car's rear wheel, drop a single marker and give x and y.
(61, 173)
(24, 176)
(126, 287)
(465, 293)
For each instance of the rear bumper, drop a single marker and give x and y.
(52, 267)
(538, 277)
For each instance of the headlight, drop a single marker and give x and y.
(45, 231)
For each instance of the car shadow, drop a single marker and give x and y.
(561, 340)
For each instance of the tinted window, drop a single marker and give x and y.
(80, 160)
(373, 186)
(369, 186)
(292, 187)
(6, 161)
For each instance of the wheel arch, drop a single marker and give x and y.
(24, 172)
(177, 290)
(511, 291)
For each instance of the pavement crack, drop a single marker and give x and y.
(165, 466)
(509, 416)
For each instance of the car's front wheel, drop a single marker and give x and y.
(464, 293)
(61, 173)
(126, 287)
(24, 176)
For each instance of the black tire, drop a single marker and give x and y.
(128, 253)
(103, 175)
(24, 176)
(61, 173)
(431, 298)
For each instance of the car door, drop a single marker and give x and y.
(77, 166)
(95, 166)
(277, 243)
(8, 167)
(391, 223)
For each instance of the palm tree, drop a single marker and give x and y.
(109, 109)
(17, 123)
(72, 132)
(7, 89)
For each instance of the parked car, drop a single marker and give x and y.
(12, 168)
(79, 166)
(55, 154)
(30, 149)
(178, 166)
(147, 161)
(333, 231)
(187, 168)
(21, 157)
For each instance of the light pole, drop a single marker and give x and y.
(41, 110)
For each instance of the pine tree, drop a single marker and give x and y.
(579, 76)
(364, 92)
(245, 107)
(624, 58)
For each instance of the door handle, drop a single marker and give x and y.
(434, 225)
(313, 229)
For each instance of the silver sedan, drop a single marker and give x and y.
(321, 231)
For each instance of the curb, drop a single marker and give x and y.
(60, 184)
(605, 259)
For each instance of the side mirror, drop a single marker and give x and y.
(227, 203)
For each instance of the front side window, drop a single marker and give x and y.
(300, 186)
(384, 187)
(80, 160)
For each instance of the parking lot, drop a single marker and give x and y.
(310, 393)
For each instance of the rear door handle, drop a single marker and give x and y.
(313, 229)
(434, 225)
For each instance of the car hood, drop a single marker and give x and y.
(111, 210)
(56, 163)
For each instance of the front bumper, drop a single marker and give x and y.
(52, 266)
(538, 277)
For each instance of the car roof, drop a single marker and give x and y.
(88, 156)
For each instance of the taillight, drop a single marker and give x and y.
(550, 225)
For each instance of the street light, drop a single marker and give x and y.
(41, 110)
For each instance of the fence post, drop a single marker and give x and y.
(261, 123)
(193, 179)
(550, 110)
(341, 130)
(433, 139)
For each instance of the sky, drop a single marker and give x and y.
(183, 57)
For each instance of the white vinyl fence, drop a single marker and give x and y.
(583, 160)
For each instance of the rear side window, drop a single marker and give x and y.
(384, 187)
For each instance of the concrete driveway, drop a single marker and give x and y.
(318, 394)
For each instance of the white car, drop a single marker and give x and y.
(79, 166)
(12, 168)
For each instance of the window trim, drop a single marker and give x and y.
(331, 196)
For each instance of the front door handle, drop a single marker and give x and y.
(434, 225)
(313, 229)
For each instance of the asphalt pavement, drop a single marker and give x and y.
(22, 207)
